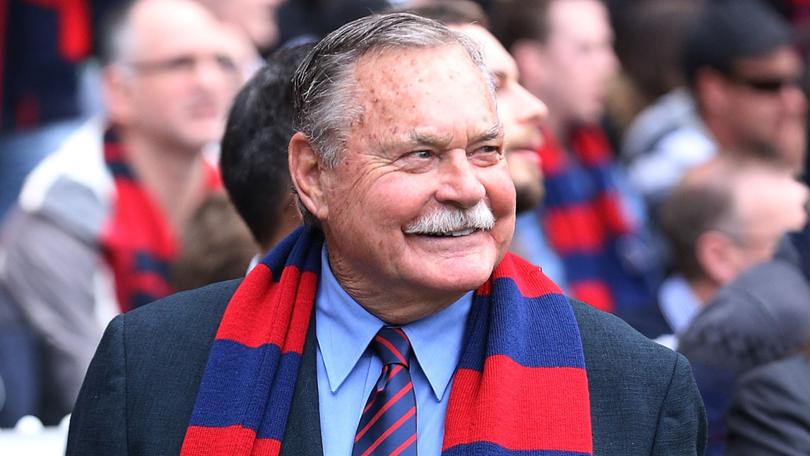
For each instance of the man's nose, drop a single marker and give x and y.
(533, 110)
(460, 181)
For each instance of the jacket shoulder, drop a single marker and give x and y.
(141, 386)
(608, 337)
(183, 314)
(166, 350)
(642, 394)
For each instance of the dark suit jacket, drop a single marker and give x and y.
(141, 387)
(770, 413)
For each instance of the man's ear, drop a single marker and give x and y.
(306, 172)
(716, 256)
(712, 91)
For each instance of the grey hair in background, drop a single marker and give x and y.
(323, 85)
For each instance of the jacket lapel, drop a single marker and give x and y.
(302, 435)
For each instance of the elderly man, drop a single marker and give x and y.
(97, 222)
(395, 322)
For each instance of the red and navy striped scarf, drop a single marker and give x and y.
(586, 224)
(138, 242)
(520, 387)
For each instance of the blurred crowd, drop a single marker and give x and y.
(658, 150)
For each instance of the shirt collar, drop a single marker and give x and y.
(344, 329)
(678, 302)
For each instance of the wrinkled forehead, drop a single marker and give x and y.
(399, 85)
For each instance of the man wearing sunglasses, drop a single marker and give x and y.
(744, 94)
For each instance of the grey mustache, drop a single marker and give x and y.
(449, 219)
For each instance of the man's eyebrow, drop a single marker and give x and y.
(491, 133)
(429, 139)
(436, 141)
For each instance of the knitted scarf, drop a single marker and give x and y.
(137, 240)
(587, 226)
(520, 386)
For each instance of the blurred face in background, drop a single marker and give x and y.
(176, 74)
(764, 106)
(576, 63)
(520, 112)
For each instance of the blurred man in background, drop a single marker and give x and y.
(563, 49)
(97, 222)
(253, 162)
(743, 75)
(723, 217)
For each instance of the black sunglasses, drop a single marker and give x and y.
(769, 85)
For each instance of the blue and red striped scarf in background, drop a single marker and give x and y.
(137, 240)
(520, 386)
(606, 261)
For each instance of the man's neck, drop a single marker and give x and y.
(172, 175)
(704, 289)
(397, 305)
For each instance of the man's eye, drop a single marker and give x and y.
(226, 63)
(180, 63)
(422, 154)
(489, 150)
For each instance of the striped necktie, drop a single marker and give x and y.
(388, 423)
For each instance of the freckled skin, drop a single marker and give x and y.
(382, 185)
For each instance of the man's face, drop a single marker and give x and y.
(578, 61)
(180, 75)
(521, 114)
(428, 140)
(765, 105)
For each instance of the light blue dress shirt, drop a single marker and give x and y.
(530, 243)
(347, 371)
(678, 303)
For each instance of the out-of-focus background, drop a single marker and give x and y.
(670, 188)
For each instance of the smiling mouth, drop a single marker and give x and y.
(448, 234)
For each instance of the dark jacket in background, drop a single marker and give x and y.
(770, 413)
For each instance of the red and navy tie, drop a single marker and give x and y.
(388, 423)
